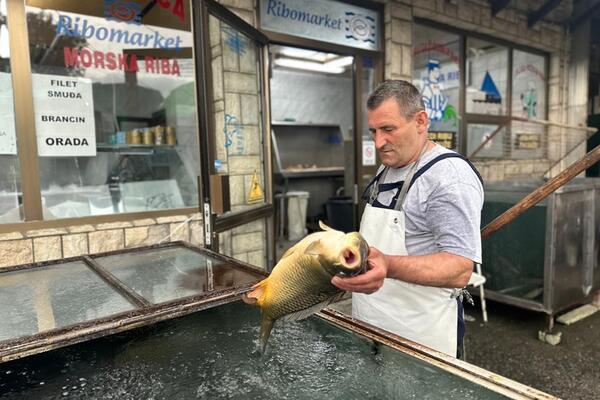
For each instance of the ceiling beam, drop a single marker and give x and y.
(576, 21)
(533, 17)
(498, 5)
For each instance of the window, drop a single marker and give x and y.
(114, 102)
(436, 72)
(528, 102)
(487, 77)
(504, 93)
(10, 177)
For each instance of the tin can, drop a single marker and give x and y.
(159, 135)
(148, 136)
(136, 137)
(121, 137)
(171, 139)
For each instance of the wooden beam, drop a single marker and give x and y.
(533, 17)
(542, 192)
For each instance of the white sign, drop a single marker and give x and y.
(325, 20)
(8, 137)
(368, 153)
(64, 116)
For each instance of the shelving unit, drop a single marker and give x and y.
(309, 157)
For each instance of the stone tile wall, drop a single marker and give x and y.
(51, 244)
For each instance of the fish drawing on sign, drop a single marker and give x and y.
(300, 284)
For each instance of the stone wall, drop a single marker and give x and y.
(52, 244)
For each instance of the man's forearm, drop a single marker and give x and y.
(438, 269)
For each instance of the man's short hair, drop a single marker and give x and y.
(406, 94)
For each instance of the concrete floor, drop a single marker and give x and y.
(508, 345)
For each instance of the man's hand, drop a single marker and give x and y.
(370, 281)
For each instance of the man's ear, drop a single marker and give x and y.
(422, 121)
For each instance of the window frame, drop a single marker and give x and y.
(26, 131)
(476, 118)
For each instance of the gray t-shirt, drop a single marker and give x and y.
(443, 207)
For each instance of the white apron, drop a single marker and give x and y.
(424, 314)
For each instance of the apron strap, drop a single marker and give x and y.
(409, 178)
(441, 157)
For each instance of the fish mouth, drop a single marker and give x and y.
(354, 260)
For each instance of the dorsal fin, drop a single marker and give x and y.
(325, 227)
(307, 312)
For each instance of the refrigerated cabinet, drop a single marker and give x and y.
(547, 259)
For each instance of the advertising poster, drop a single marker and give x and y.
(64, 116)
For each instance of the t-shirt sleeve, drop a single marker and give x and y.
(454, 215)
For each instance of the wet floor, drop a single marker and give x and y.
(213, 355)
(508, 345)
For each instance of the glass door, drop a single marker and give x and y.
(236, 171)
(368, 76)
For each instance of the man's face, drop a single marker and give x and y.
(398, 141)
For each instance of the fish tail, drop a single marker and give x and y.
(265, 331)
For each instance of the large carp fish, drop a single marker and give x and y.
(300, 283)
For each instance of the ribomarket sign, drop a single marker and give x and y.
(64, 116)
(324, 20)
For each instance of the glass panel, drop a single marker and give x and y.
(247, 243)
(436, 72)
(493, 136)
(113, 91)
(172, 273)
(529, 101)
(211, 354)
(40, 299)
(10, 176)
(487, 77)
(514, 257)
(237, 94)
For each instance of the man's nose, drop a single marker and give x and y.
(379, 140)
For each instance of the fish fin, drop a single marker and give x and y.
(266, 324)
(314, 249)
(257, 294)
(325, 227)
(307, 312)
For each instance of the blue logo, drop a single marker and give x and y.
(235, 41)
(360, 27)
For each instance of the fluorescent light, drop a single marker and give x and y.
(302, 53)
(308, 65)
(340, 62)
(4, 45)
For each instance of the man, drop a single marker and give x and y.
(422, 223)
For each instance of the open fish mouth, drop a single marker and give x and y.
(354, 261)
